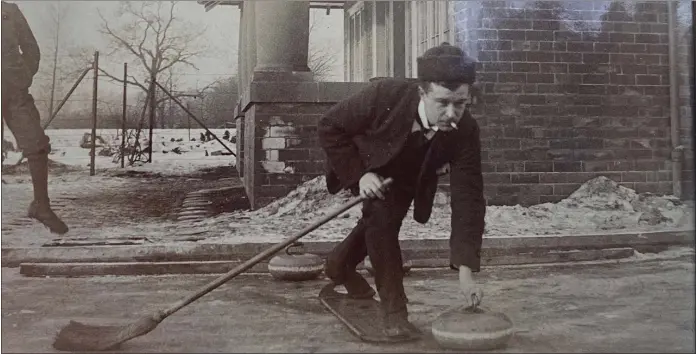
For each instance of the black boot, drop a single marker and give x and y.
(356, 286)
(40, 208)
(396, 324)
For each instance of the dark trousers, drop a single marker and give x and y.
(21, 116)
(377, 232)
(377, 235)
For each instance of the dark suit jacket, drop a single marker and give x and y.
(368, 130)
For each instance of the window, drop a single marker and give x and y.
(356, 42)
(427, 24)
(388, 38)
(434, 24)
(370, 40)
(383, 38)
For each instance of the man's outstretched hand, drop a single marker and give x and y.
(372, 186)
(472, 292)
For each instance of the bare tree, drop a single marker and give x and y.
(57, 12)
(321, 59)
(155, 39)
(158, 44)
(219, 102)
(64, 61)
(321, 62)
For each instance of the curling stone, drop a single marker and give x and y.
(295, 266)
(368, 265)
(472, 329)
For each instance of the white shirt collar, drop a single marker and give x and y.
(424, 118)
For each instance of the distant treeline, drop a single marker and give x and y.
(113, 121)
(215, 109)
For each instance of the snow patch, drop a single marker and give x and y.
(173, 153)
(310, 198)
(675, 252)
(598, 206)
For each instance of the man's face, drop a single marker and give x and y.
(444, 106)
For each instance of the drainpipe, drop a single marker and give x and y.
(677, 149)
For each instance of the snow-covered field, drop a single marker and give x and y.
(65, 144)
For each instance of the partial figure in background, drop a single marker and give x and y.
(19, 111)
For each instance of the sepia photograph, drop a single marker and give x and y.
(379, 176)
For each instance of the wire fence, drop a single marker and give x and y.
(178, 129)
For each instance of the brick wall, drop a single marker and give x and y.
(572, 90)
(287, 149)
(280, 142)
(685, 62)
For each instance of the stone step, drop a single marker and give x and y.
(494, 248)
(201, 202)
(192, 217)
(197, 206)
(219, 267)
(193, 213)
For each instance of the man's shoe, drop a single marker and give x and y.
(396, 324)
(45, 215)
(357, 287)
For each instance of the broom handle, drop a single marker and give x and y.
(262, 256)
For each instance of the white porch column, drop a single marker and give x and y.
(282, 41)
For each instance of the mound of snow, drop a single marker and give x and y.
(601, 193)
(310, 198)
(599, 204)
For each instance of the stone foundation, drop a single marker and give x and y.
(279, 141)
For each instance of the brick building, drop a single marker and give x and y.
(571, 90)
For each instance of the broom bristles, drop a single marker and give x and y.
(77, 336)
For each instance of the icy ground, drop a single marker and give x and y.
(623, 306)
(116, 205)
(97, 209)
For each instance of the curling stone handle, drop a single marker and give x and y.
(294, 245)
(476, 301)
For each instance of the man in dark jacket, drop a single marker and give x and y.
(19, 111)
(408, 130)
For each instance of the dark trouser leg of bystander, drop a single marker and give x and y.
(22, 118)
